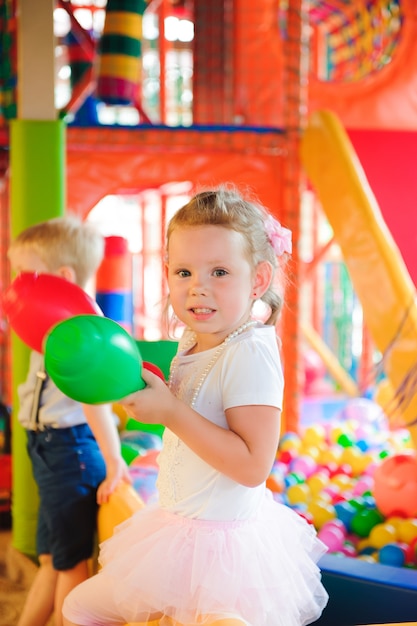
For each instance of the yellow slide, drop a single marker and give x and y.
(377, 270)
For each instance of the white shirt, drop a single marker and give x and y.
(56, 409)
(247, 372)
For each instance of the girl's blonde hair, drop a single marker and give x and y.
(225, 207)
(64, 241)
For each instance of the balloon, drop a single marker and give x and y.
(92, 359)
(34, 303)
(395, 485)
(151, 367)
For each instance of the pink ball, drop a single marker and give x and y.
(364, 483)
(304, 465)
(332, 537)
(336, 523)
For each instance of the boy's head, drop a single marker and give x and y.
(64, 246)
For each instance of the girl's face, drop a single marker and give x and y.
(211, 281)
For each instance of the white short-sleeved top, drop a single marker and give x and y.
(56, 409)
(247, 372)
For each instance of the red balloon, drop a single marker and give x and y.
(154, 369)
(395, 485)
(34, 303)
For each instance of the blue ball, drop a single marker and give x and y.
(392, 554)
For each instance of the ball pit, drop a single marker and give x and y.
(338, 474)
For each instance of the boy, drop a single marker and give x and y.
(74, 448)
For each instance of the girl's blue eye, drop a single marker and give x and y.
(183, 273)
(220, 272)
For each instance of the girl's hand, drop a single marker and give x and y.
(117, 471)
(152, 404)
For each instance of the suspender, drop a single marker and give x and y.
(41, 378)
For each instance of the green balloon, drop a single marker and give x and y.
(93, 360)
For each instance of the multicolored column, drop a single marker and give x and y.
(114, 282)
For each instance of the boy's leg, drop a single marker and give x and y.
(39, 604)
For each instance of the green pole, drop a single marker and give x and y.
(37, 193)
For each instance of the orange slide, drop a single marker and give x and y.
(377, 270)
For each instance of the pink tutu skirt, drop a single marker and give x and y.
(263, 570)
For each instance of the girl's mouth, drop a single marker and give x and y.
(201, 311)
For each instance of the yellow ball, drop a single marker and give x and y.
(381, 534)
(297, 494)
(288, 442)
(343, 481)
(407, 530)
(330, 455)
(353, 457)
(314, 435)
(321, 512)
(317, 482)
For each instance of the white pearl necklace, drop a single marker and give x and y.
(214, 358)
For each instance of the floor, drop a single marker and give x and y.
(16, 575)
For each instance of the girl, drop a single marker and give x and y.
(216, 544)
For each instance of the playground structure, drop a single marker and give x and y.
(254, 137)
(257, 78)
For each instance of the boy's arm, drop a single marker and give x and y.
(101, 421)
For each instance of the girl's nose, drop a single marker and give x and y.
(197, 288)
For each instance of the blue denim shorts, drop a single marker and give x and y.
(68, 467)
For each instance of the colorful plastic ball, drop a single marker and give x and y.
(332, 537)
(367, 550)
(290, 441)
(349, 550)
(395, 485)
(330, 467)
(411, 555)
(407, 530)
(363, 444)
(393, 554)
(321, 512)
(368, 558)
(363, 484)
(299, 493)
(382, 534)
(345, 440)
(318, 481)
(314, 435)
(342, 480)
(364, 520)
(304, 465)
(293, 479)
(286, 456)
(331, 455)
(345, 512)
(336, 523)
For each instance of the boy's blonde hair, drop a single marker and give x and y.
(64, 241)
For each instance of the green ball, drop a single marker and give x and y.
(364, 520)
(93, 360)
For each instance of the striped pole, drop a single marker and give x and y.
(120, 52)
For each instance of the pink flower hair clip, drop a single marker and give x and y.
(279, 237)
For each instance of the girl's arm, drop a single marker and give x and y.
(245, 453)
(101, 421)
